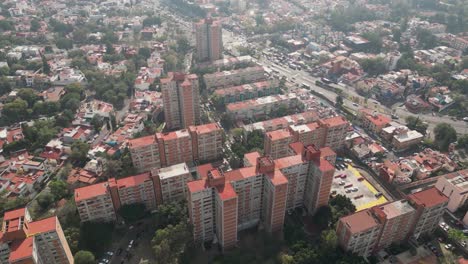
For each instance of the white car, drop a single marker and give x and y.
(448, 246)
(342, 183)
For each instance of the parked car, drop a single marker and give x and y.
(448, 246)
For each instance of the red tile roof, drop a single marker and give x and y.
(360, 221)
(21, 249)
(91, 191)
(14, 214)
(42, 226)
(203, 170)
(226, 192)
(334, 121)
(277, 177)
(428, 198)
(133, 180)
(278, 134)
(204, 129)
(324, 165)
(141, 142)
(252, 158)
(197, 186)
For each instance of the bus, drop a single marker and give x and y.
(305, 85)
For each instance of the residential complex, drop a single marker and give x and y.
(328, 132)
(181, 100)
(261, 106)
(370, 230)
(455, 187)
(197, 143)
(209, 39)
(24, 241)
(225, 79)
(248, 91)
(282, 122)
(223, 203)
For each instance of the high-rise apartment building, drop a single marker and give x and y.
(209, 39)
(198, 143)
(430, 205)
(370, 230)
(100, 202)
(24, 241)
(276, 143)
(181, 98)
(175, 147)
(328, 132)
(170, 183)
(207, 142)
(260, 193)
(145, 153)
(455, 186)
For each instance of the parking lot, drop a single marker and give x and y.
(349, 182)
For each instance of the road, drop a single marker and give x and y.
(299, 77)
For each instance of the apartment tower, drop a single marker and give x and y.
(209, 40)
(181, 98)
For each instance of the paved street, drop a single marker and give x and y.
(303, 77)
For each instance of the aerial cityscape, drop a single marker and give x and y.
(233, 131)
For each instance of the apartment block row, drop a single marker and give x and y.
(248, 91)
(370, 230)
(223, 203)
(23, 241)
(197, 143)
(262, 106)
(101, 202)
(234, 77)
(329, 132)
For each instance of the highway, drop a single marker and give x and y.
(299, 77)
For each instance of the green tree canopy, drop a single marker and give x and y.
(444, 134)
(132, 212)
(84, 257)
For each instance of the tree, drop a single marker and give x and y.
(374, 67)
(340, 206)
(84, 257)
(170, 243)
(73, 237)
(58, 189)
(35, 25)
(462, 142)
(375, 42)
(444, 134)
(323, 217)
(426, 39)
(5, 86)
(15, 111)
(329, 240)
(45, 66)
(64, 43)
(144, 52)
(132, 212)
(455, 234)
(417, 124)
(45, 200)
(95, 237)
(183, 44)
(79, 151)
(170, 213)
(339, 101)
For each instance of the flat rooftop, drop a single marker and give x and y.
(172, 171)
